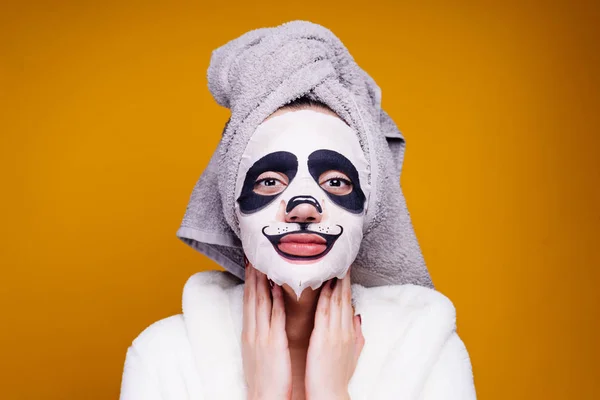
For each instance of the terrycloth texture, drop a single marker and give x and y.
(256, 74)
(411, 347)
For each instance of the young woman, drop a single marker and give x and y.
(326, 295)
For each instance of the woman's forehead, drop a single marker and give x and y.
(302, 132)
(285, 110)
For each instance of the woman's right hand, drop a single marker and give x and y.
(265, 352)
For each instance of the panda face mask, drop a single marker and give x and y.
(302, 193)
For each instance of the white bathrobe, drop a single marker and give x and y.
(411, 347)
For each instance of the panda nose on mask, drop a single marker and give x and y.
(303, 209)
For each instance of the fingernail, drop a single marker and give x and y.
(333, 282)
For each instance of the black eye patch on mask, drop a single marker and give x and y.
(279, 161)
(324, 160)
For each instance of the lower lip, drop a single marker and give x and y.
(302, 249)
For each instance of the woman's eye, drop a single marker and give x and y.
(270, 183)
(336, 183)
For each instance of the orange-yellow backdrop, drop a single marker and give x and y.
(106, 123)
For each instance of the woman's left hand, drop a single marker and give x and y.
(335, 343)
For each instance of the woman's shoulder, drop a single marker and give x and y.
(171, 331)
(406, 320)
(164, 333)
(417, 301)
(410, 332)
(169, 355)
(213, 278)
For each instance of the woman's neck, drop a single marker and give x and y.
(300, 316)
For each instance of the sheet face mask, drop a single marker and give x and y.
(302, 193)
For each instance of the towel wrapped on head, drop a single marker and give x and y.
(261, 71)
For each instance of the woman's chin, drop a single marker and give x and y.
(307, 295)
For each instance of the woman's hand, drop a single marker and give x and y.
(335, 344)
(265, 353)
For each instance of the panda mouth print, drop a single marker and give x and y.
(303, 244)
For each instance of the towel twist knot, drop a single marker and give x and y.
(246, 70)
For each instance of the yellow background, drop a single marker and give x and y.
(106, 123)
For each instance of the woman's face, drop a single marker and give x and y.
(301, 197)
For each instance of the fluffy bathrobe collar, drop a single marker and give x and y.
(406, 327)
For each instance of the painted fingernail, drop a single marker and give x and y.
(333, 282)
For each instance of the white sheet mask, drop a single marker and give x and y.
(302, 192)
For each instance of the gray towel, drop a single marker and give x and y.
(261, 71)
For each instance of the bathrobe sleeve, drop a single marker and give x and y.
(159, 364)
(138, 382)
(451, 377)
